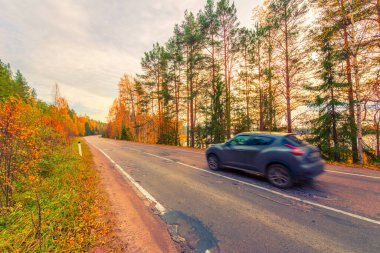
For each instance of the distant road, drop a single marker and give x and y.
(231, 211)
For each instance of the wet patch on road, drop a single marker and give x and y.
(190, 232)
(341, 221)
(309, 190)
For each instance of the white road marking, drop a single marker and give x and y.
(187, 151)
(144, 192)
(359, 217)
(352, 174)
(164, 158)
(158, 146)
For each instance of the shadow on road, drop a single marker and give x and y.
(306, 188)
(191, 232)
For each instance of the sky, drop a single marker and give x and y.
(86, 46)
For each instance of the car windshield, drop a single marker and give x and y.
(295, 140)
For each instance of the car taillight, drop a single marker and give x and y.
(295, 150)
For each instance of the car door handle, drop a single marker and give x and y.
(240, 150)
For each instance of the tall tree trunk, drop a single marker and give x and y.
(271, 110)
(351, 105)
(187, 103)
(335, 133)
(195, 112)
(378, 13)
(247, 89)
(133, 113)
(358, 91)
(191, 93)
(176, 91)
(159, 106)
(213, 65)
(214, 116)
(287, 77)
(227, 84)
(376, 125)
(377, 140)
(261, 105)
(358, 113)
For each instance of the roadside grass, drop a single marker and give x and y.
(353, 165)
(74, 210)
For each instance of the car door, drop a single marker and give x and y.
(234, 152)
(254, 146)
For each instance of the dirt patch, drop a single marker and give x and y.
(135, 224)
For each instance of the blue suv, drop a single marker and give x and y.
(282, 158)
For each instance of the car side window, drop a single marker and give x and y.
(240, 140)
(259, 141)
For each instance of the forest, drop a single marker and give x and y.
(309, 67)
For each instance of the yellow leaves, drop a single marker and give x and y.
(32, 178)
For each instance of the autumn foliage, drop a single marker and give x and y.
(131, 118)
(28, 132)
(42, 179)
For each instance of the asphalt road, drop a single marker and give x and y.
(231, 211)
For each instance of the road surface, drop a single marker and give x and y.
(231, 211)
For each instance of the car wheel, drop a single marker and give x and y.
(213, 162)
(279, 176)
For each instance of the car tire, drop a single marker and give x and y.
(213, 162)
(279, 176)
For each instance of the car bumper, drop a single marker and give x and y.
(311, 170)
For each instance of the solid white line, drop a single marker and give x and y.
(352, 174)
(164, 158)
(158, 146)
(161, 209)
(181, 150)
(274, 192)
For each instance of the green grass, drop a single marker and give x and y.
(74, 209)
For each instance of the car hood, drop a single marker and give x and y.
(216, 145)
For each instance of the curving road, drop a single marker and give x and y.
(231, 211)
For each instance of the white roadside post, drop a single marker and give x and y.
(79, 148)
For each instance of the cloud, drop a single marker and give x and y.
(85, 45)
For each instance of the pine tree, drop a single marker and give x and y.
(6, 82)
(325, 127)
(270, 72)
(228, 32)
(210, 26)
(16, 86)
(192, 41)
(154, 65)
(246, 46)
(88, 130)
(174, 75)
(21, 86)
(288, 20)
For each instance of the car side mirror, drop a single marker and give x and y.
(228, 143)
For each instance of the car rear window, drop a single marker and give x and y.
(294, 140)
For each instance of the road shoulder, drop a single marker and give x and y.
(136, 225)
